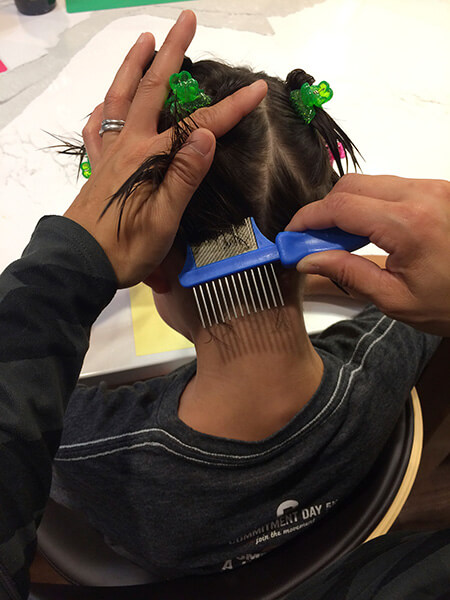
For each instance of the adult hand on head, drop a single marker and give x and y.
(410, 220)
(148, 228)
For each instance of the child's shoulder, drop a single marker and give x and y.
(96, 409)
(370, 331)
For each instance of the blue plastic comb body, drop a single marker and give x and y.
(289, 248)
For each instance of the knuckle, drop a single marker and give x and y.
(439, 188)
(140, 147)
(153, 79)
(172, 46)
(92, 126)
(204, 117)
(349, 182)
(112, 100)
(183, 171)
(89, 131)
(86, 134)
(136, 156)
(414, 215)
(337, 202)
(346, 277)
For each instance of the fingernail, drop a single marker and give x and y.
(141, 38)
(200, 142)
(308, 265)
(258, 84)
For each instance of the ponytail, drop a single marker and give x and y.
(327, 128)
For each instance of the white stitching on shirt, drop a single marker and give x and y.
(115, 450)
(353, 373)
(234, 456)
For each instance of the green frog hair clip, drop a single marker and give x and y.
(85, 168)
(307, 97)
(185, 94)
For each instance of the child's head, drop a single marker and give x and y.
(268, 166)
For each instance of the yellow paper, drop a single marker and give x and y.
(151, 334)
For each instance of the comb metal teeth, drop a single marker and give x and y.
(219, 300)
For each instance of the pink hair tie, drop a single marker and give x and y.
(341, 152)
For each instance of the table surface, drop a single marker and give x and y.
(385, 60)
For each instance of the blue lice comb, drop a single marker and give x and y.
(236, 267)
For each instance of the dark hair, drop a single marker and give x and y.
(268, 166)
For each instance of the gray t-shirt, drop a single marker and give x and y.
(177, 501)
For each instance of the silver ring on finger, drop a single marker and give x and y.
(111, 125)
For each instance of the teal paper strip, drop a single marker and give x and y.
(74, 6)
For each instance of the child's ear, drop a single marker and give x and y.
(158, 281)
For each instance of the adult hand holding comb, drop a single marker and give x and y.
(148, 228)
(410, 220)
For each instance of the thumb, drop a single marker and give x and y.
(359, 276)
(187, 171)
